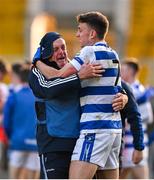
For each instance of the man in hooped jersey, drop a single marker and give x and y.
(100, 126)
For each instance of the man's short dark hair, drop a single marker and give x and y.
(16, 68)
(22, 71)
(24, 74)
(133, 64)
(96, 20)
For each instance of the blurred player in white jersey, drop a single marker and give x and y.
(130, 70)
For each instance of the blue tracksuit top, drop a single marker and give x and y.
(57, 103)
(20, 120)
(58, 111)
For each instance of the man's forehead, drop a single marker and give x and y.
(59, 41)
(83, 26)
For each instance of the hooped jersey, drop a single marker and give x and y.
(97, 93)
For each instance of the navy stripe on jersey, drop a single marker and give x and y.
(143, 98)
(79, 60)
(100, 90)
(87, 147)
(110, 72)
(101, 124)
(92, 108)
(84, 146)
(106, 55)
(101, 44)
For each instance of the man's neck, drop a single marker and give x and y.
(96, 40)
(131, 80)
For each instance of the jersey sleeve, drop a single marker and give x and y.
(86, 55)
(50, 88)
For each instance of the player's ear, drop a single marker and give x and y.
(93, 34)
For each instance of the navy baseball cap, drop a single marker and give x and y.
(46, 44)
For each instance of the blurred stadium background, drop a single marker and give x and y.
(24, 22)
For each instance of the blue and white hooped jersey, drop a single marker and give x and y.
(145, 107)
(97, 93)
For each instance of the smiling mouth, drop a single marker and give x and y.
(62, 58)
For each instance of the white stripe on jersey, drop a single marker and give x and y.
(144, 108)
(100, 131)
(96, 98)
(144, 126)
(100, 81)
(99, 116)
(137, 88)
(107, 63)
(146, 111)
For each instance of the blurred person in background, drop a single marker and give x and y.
(129, 72)
(149, 94)
(3, 96)
(19, 124)
(15, 84)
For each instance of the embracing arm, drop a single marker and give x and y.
(86, 70)
(50, 88)
(50, 72)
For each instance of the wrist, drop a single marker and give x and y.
(80, 75)
(37, 62)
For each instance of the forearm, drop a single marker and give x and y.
(47, 71)
(50, 72)
(67, 70)
(51, 88)
(137, 132)
(135, 121)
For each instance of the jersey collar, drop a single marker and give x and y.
(101, 43)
